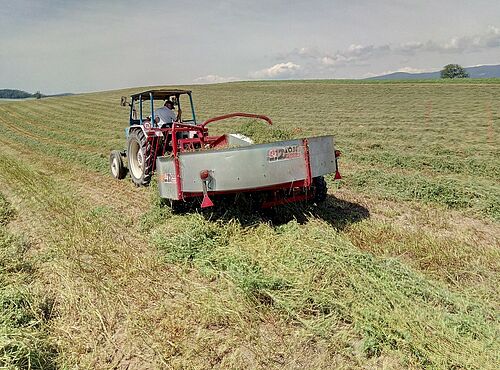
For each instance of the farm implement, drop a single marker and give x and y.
(193, 166)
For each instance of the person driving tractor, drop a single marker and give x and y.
(165, 115)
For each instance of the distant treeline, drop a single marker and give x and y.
(20, 94)
(14, 94)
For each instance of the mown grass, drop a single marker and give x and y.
(260, 133)
(383, 129)
(450, 192)
(24, 339)
(313, 276)
(397, 269)
(442, 133)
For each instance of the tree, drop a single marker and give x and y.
(38, 95)
(454, 71)
(14, 94)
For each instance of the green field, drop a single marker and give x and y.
(398, 269)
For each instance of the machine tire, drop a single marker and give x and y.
(182, 206)
(177, 206)
(139, 153)
(118, 170)
(320, 189)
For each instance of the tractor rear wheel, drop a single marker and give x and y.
(118, 170)
(140, 158)
(320, 189)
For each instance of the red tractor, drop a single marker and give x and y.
(191, 164)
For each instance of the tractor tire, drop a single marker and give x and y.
(140, 161)
(118, 170)
(320, 189)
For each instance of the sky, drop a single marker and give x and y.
(56, 46)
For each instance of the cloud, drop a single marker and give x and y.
(214, 79)
(408, 70)
(413, 46)
(279, 71)
(355, 54)
(475, 43)
(488, 40)
(456, 45)
(304, 53)
(358, 55)
(310, 62)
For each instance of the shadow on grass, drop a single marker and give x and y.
(337, 212)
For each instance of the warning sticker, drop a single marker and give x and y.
(284, 153)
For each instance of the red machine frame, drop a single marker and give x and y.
(298, 189)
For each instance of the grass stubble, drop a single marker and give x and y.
(25, 311)
(398, 270)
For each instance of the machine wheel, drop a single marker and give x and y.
(118, 170)
(177, 206)
(320, 189)
(180, 206)
(140, 163)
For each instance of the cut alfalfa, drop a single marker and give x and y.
(24, 339)
(6, 211)
(309, 274)
(261, 133)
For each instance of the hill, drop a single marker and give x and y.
(486, 71)
(397, 269)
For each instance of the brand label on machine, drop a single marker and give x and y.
(283, 153)
(168, 178)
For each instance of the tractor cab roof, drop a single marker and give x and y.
(160, 94)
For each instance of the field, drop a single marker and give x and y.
(398, 269)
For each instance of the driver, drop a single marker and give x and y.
(165, 115)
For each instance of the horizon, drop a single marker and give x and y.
(68, 46)
(364, 79)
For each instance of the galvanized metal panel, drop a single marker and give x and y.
(248, 167)
(167, 183)
(241, 168)
(322, 155)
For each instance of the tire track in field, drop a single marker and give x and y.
(100, 189)
(92, 136)
(61, 110)
(83, 268)
(77, 109)
(35, 118)
(46, 139)
(103, 190)
(118, 304)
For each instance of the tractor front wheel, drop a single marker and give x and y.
(118, 170)
(140, 158)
